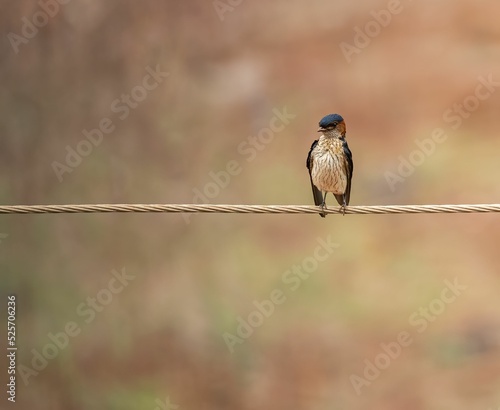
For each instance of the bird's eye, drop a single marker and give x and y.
(334, 124)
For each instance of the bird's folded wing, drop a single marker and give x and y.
(349, 167)
(318, 198)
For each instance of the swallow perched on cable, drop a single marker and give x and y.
(330, 163)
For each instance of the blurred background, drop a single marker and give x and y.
(122, 101)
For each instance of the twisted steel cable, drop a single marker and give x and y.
(245, 209)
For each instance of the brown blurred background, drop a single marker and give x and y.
(231, 65)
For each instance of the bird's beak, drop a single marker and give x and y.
(321, 129)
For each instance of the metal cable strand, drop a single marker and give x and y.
(245, 209)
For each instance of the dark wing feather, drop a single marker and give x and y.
(349, 167)
(318, 198)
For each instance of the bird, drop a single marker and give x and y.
(330, 163)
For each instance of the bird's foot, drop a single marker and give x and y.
(323, 207)
(342, 209)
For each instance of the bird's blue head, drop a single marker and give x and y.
(332, 122)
